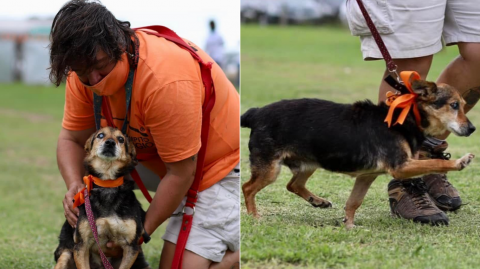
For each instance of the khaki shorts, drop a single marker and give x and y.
(216, 223)
(414, 28)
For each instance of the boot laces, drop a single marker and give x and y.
(443, 177)
(417, 189)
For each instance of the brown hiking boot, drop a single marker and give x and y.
(409, 200)
(443, 194)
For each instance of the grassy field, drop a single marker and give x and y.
(31, 188)
(293, 62)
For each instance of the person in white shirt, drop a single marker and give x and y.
(214, 46)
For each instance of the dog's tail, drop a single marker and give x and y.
(248, 118)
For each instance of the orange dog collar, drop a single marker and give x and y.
(89, 180)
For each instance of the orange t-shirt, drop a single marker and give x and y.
(166, 109)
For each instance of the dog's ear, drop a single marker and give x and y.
(424, 88)
(89, 143)
(130, 148)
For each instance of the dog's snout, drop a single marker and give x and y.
(471, 128)
(110, 142)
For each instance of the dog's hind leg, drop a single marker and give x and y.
(362, 184)
(262, 176)
(301, 173)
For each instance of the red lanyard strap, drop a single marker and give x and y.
(205, 68)
(209, 102)
(391, 66)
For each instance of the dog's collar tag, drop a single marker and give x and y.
(391, 96)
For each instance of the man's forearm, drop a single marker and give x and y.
(170, 193)
(70, 161)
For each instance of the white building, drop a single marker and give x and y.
(24, 52)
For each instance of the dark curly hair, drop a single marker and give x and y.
(79, 30)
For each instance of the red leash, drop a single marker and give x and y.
(93, 226)
(209, 102)
(391, 66)
(405, 101)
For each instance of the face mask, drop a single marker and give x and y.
(114, 81)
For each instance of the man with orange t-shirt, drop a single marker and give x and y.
(94, 52)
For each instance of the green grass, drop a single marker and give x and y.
(31, 188)
(293, 62)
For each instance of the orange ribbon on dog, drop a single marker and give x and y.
(405, 101)
(79, 198)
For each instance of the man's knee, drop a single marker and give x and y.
(470, 52)
(231, 260)
(471, 98)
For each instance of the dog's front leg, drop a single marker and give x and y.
(81, 255)
(129, 256)
(362, 184)
(65, 260)
(413, 168)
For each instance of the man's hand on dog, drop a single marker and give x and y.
(113, 250)
(71, 214)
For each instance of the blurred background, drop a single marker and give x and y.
(25, 27)
(31, 111)
(285, 12)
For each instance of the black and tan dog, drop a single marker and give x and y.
(352, 139)
(119, 216)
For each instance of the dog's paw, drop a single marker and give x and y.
(348, 224)
(254, 214)
(319, 202)
(464, 161)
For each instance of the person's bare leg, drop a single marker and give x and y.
(463, 74)
(420, 64)
(190, 259)
(231, 260)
